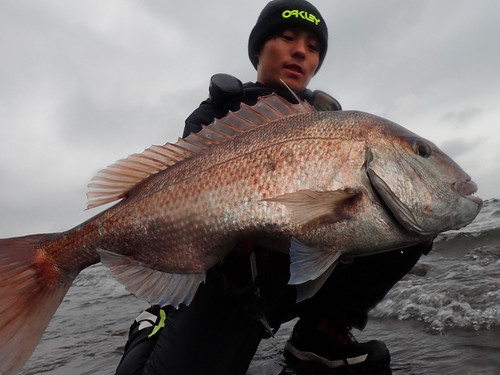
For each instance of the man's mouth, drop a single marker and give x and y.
(295, 68)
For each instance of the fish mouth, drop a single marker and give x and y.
(466, 189)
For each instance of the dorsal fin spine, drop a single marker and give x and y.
(208, 129)
(243, 120)
(178, 149)
(191, 145)
(202, 141)
(225, 124)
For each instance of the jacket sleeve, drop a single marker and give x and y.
(203, 115)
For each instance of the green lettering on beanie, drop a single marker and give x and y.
(302, 14)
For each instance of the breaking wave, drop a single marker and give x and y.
(457, 286)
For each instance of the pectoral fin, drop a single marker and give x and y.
(309, 289)
(307, 205)
(156, 287)
(310, 267)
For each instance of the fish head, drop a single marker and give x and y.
(423, 188)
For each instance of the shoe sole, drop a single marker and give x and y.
(309, 356)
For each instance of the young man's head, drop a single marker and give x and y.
(288, 42)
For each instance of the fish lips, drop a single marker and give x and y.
(464, 187)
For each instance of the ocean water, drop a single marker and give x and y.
(442, 318)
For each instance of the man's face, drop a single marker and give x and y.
(292, 55)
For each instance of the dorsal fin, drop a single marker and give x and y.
(115, 181)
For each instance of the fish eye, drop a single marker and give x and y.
(422, 149)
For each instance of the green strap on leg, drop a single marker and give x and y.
(160, 324)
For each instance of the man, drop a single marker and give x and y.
(246, 295)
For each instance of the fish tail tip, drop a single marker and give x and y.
(27, 302)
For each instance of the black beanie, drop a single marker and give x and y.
(281, 14)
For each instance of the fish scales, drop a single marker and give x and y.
(173, 221)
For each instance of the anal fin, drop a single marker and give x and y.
(156, 287)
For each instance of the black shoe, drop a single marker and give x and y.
(334, 347)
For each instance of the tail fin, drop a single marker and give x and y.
(27, 301)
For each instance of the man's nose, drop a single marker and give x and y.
(299, 49)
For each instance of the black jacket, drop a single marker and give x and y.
(227, 92)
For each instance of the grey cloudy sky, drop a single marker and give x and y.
(84, 83)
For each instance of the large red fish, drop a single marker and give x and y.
(316, 184)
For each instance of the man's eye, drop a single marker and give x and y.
(313, 47)
(287, 37)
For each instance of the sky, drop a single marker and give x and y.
(84, 83)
